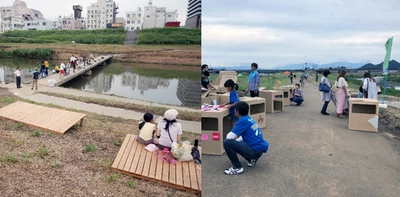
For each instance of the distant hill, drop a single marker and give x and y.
(393, 65)
(295, 66)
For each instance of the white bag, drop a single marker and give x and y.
(151, 147)
(182, 152)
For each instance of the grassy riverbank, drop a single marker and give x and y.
(103, 36)
(78, 163)
(183, 55)
(170, 36)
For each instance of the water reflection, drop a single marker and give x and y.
(127, 83)
(149, 84)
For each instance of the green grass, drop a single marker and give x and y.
(114, 177)
(28, 53)
(35, 134)
(11, 159)
(267, 81)
(103, 36)
(90, 147)
(117, 143)
(132, 184)
(172, 36)
(54, 165)
(43, 151)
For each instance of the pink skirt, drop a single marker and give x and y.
(341, 101)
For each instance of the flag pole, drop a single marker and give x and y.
(385, 65)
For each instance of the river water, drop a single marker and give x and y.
(142, 82)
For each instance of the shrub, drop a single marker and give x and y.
(173, 36)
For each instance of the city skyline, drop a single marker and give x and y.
(275, 33)
(64, 8)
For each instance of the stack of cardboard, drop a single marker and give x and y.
(286, 94)
(223, 77)
(208, 98)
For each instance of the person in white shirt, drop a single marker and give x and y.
(17, 74)
(342, 94)
(369, 87)
(71, 60)
(62, 69)
(168, 130)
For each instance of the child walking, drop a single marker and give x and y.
(35, 78)
(231, 87)
(147, 129)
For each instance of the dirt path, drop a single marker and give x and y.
(311, 155)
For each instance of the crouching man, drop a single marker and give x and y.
(245, 139)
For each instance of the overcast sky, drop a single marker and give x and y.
(54, 8)
(277, 32)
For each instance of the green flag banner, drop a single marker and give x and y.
(388, 47)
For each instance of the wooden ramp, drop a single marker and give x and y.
(46, 118)
(134, 160)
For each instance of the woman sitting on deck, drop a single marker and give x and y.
(169, 130)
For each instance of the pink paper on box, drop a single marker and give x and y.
(215, 136)
(204, 137)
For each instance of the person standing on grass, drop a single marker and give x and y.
(369, 87)
(35, 78)
(254, 81)
(316, 76)
(291, 78)
(17, 74)
(298, 96)
(245, 139)
(231, 87)
(342, 93)
(326, 96)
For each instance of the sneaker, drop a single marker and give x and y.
(252, 163)
(232, 170)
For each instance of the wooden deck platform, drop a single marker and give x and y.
(134, 160)
(46, 118)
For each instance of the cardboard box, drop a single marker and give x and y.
(273, 100)
(363, 114)
(209, 100)
(286, 95)
(257, 109)
(215, 125)
(260, 119)
(226, 72)
(222, 98)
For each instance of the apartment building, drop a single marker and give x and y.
(133, 20)
(155, 17)
(100, 14)
(13, 17)
(193, 19)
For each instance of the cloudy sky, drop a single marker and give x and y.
(276, 32)
(51, 9)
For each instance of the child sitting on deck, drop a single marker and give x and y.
(147, 129)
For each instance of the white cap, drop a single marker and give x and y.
(170, 114)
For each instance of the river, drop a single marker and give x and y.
(142, 82)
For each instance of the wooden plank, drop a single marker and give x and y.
(57, 119)
(146, 166)
(179, 173)
(126, 153)
(193, 175)
(153, 165)
(172, 173)
(198, 170)
(142, 159)
(132, 153)
(159, 167)
(121, 151)
(186, 175)
(135, 160)
(165, 172)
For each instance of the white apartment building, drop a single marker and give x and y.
(154, 17)
(11, 16)
(133, 20)
(38, 24)
(193, 19)
(101, 13)
(73, 23)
